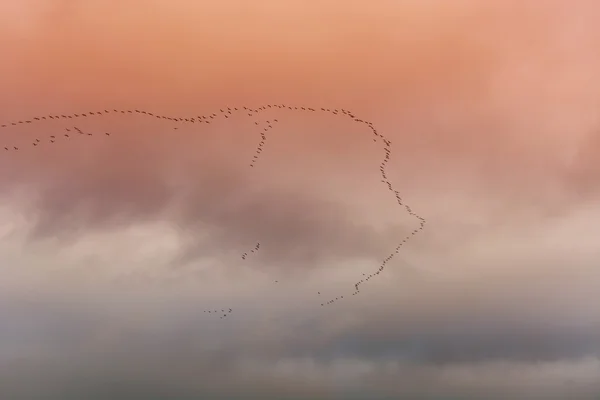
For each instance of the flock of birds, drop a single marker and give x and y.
(53, 138)
(227, 113)
(254, 250)
(222, 310)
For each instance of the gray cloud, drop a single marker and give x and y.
(491, 352)
(467, 345)
(192, 184)
(152, 360)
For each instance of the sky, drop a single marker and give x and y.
(113, 247)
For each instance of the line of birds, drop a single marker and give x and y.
(226, 312)
(254, 250)
(53, 138)
(228, 112)
(263, 137)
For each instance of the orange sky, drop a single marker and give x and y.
(499, 78)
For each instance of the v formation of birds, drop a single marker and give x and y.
(226, 113)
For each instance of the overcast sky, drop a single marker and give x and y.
(113, 248)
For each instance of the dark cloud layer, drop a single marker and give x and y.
(150, 361)
(470, 345)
